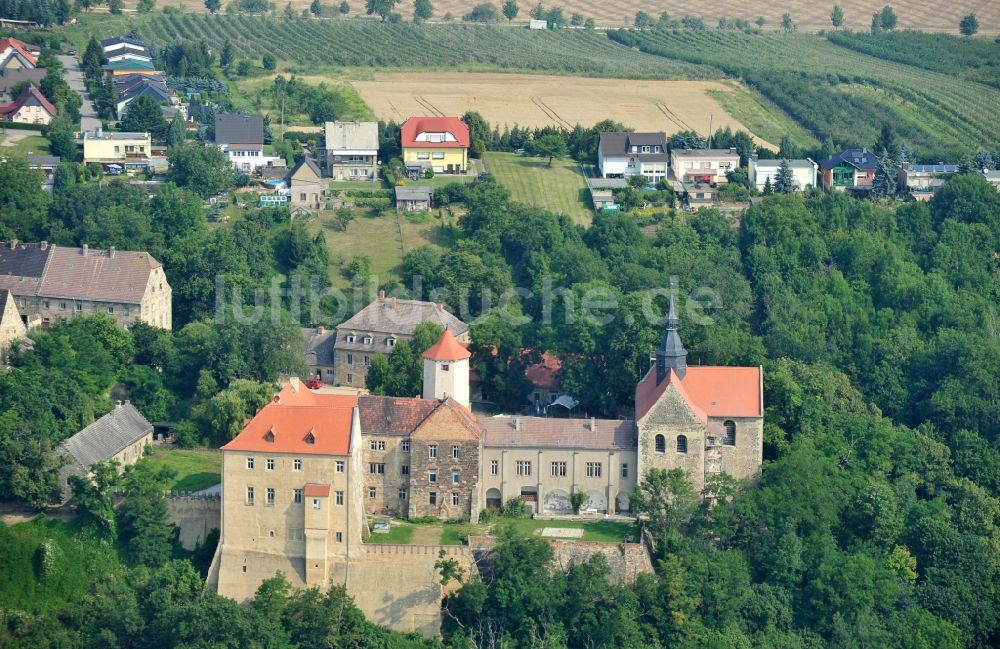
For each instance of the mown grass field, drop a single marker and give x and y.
(23, 144)
(761, 117)
(403, 532)
(561, 189)
(196, 468)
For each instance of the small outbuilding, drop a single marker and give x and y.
(409, 199)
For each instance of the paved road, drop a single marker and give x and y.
(74, 76)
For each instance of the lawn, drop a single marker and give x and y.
(561, 189)
(196, 468)
(455, 533)
(383, 238)
(762, 117)
(593, 530)
(36, 144)
(399, 532)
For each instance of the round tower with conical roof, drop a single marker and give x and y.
(446, 370)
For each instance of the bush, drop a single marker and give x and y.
(424, 520)
(514, 508)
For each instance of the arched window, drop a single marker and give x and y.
(682, 444)
(661, 444)
(729, 439)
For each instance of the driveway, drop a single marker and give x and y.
(74, 77)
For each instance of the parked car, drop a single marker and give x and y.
(314, 384)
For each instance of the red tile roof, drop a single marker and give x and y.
(414, 126)
(447, 349)
(393, 415)
(21, 47)
(299, 422)
(27, 93)
(317, 490)
(544, 374)
(711, 391)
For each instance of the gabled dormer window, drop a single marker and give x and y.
(658, 149)
(390, 342)
(350, 338)
(310, 438)
(635, 149)
(269, 437)
(646, 149)
(368, 340)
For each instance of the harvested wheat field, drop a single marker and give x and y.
(539, 100)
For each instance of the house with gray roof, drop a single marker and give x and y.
(318, 352)
(620, 155)
(414, 197)
(121, 435)
(351, 150)
(241, 137)
(377, 328)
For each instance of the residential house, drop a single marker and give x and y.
(306, 185)
(921, 181)
(621, 155)
(136, 86)
(30, 107)
(412, 198)
(437, 143)
(47, 164)
(803, 172)
(18, 63)
(697, 194)
(110, 46)
(128, 52)
(56, 283)
(242, 139)
(133, 151)
(122, 435)
(703, 165)
(853, 168)
(318, 354)
(992, 177)
(12, 328)
(377, 328)
(129, 66)
(351, 150)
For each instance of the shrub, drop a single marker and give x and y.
(514, 508)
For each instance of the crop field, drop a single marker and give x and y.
(536, 100)
(310, 43)
(810, 16)
(835, 91)
(561, 189)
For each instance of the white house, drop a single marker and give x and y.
(703, 165)
(620, 155)
(803, 172)
(242, 138)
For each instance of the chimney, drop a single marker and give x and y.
(381, 295)
(593, 424)
(13, 244)
(111, 252)
(320, 329)
(118, 404)
(440, 307)
(517, 423)
(394, 301)
(83, 250)
(44, 245)
(294, 382)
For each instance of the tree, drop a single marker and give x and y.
(115, 6)
(550, 146)
(668, 498)
(380, 8)
(92, 496)
(786, 23)
(269, 62)
(401, 375)
(244, 68)
(768, 187)
(344, 8)
(483, 12)
(204, 169)
(510, 9)
(884, 20)
(784, 182)
(760, 22)
(969, 25)
(342, 217)
(213, 5)
(837, 16)
(144, 115)
(885, 184)
(422, 10)
(145, 6)
(176, 132)
(62, 140)
(142, 521)
(643, 20)
(316, 8)
(226, 55)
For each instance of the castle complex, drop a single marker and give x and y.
(300, 479)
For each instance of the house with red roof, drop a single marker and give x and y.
(18, 63)
(438, 144)
(30, 107)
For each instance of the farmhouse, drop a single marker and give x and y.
(803, 172)
(622, 155)
(241, 137)
(412, 198)
(703, 165)
(56, 283)
(921, 181)
(853, 168)
(377, 328)
(30, 107)
(300, 477)
(121, 435)
(437, 143)
(351, 150)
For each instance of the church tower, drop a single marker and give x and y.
(671, 355)
(446, 370)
